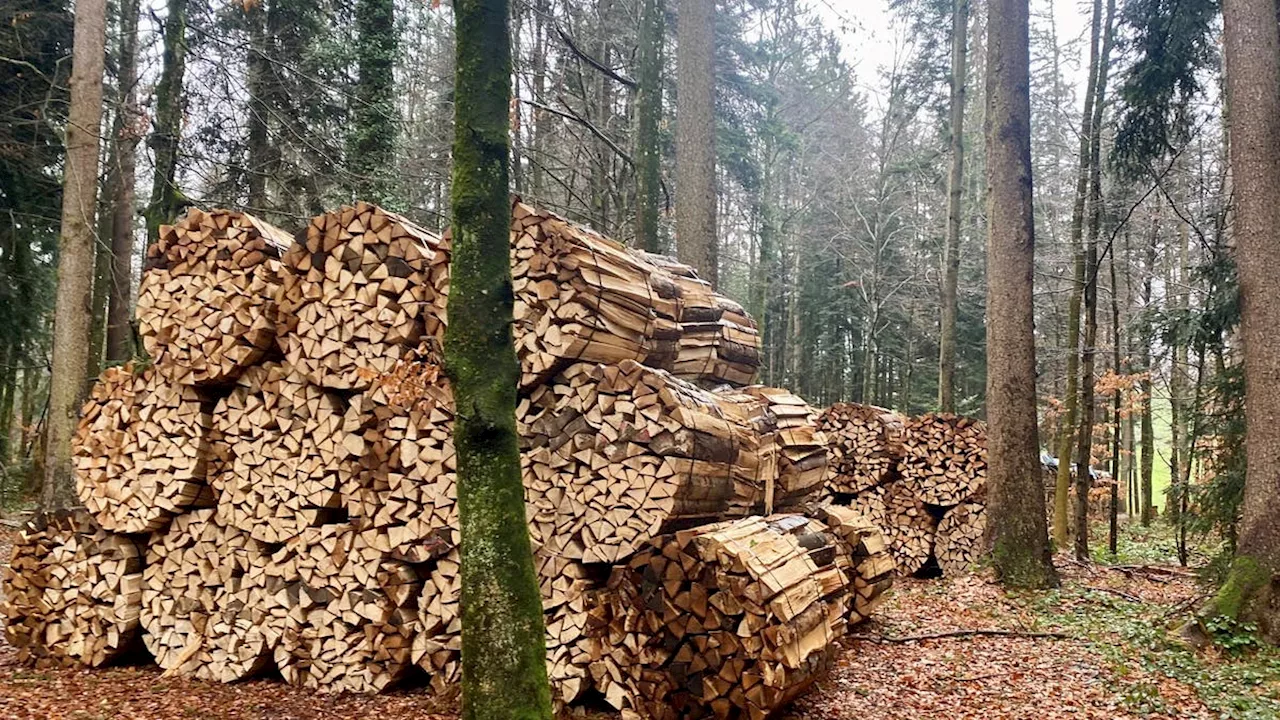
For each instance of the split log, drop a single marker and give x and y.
(278, 451)
(206, 307)
(872, 563)
(866, 444)
(614, 455)
(348, 612)
(72, 592)
(437, 649)
(803, 454)
(958, 545)
(362, 288)
(944, 458)
(202, 599)
(141, 450)
(729, 620)
(909, 526)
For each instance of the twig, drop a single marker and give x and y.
(1118, 593)
(963, 633)
(1152, 570)
(568, 41)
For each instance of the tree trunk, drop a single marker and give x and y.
(75, 251)
(1253, 97)
(8, 389)
(504, 671)
(1066, 431)
(696, 241)
(1016, 531)
(955, 210)
(166, 199)
(649, 116)
(119, 312)
(1116, 443)
(96, 342)
(1146, 387)
(257, 144)
(372, 144)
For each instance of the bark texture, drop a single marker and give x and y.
(696, 242)
(955, 210)
(373, 141)
(72, 316)
(1016, 529)
(119, 334)
(649, 112)
(166, 199)
(504, 673)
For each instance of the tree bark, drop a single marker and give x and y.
(257, 143)
(696, 242)
(372, 145)
(119, 310)
(1252, 51)
(1148, 425)
(166, 199)
(955, 210)
(1016, 527)
(75, 251)
(649, 115)
(504, 673)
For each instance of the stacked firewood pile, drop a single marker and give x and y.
(920, 479)
(288, 490)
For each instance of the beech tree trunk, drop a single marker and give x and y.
(166, 199)
(504, 672)
(373, 142)
(72, 315)
(120, 289)
(955, 210)
(1016, 527)
(649, 115)
(696, 242)
(1253, 98)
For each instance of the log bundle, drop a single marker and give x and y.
(959, 539)
(866, 444)
(362, 288)
(944, 458)
(141, 450)
(72, 592)
(207, 304)
(873, 567)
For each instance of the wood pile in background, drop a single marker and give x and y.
(141, 450)
(909, 526)
(203, 599)
(362, 288)
(866, 443)
(437, 649)
(944, 458)
(72, 592)
(207, 304)
(959, 541)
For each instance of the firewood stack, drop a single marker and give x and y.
(72, 592)
(944, 458)
(141, 450)
(362, 288)
(866, 445)
(202, 597)
(207, 304)
(872, 564)
(437, 649)
(959, 539)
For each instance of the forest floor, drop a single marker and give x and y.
(1116, 660)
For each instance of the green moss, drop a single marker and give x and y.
(1246, 578)
(1019, 568)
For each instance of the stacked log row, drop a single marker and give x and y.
(278, 447)
(803, 453)
(72, 592)
(400, 482)
(733, 620)
(206, 307)
(909, 526)
(438, 647)
(362, 288)
(202, 599)
(581, 297)
(348, 612)
(959, 540)
(141, 450)
(944, 458)
(873, 567)
(866, 444)
(615, 455)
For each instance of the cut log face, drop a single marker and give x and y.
(866, 444)
(72, 592)
(402, 470)
(872, 565)
(278, 448)
(910, 527)
(944, 458)
(203, 600)
(614, 455)
(437, 649)
(958, 546)
(362, 288)
(141, 450)
(733, 619)
(349, 612)
(206, 308)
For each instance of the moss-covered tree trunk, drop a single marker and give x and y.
(371, 147)
(72, 314)
(1253, 97)
(504, 674)
(166, 199)
(649, 112)
(1016, 527)
(955, 210)
(696, 241)
(120, 281)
